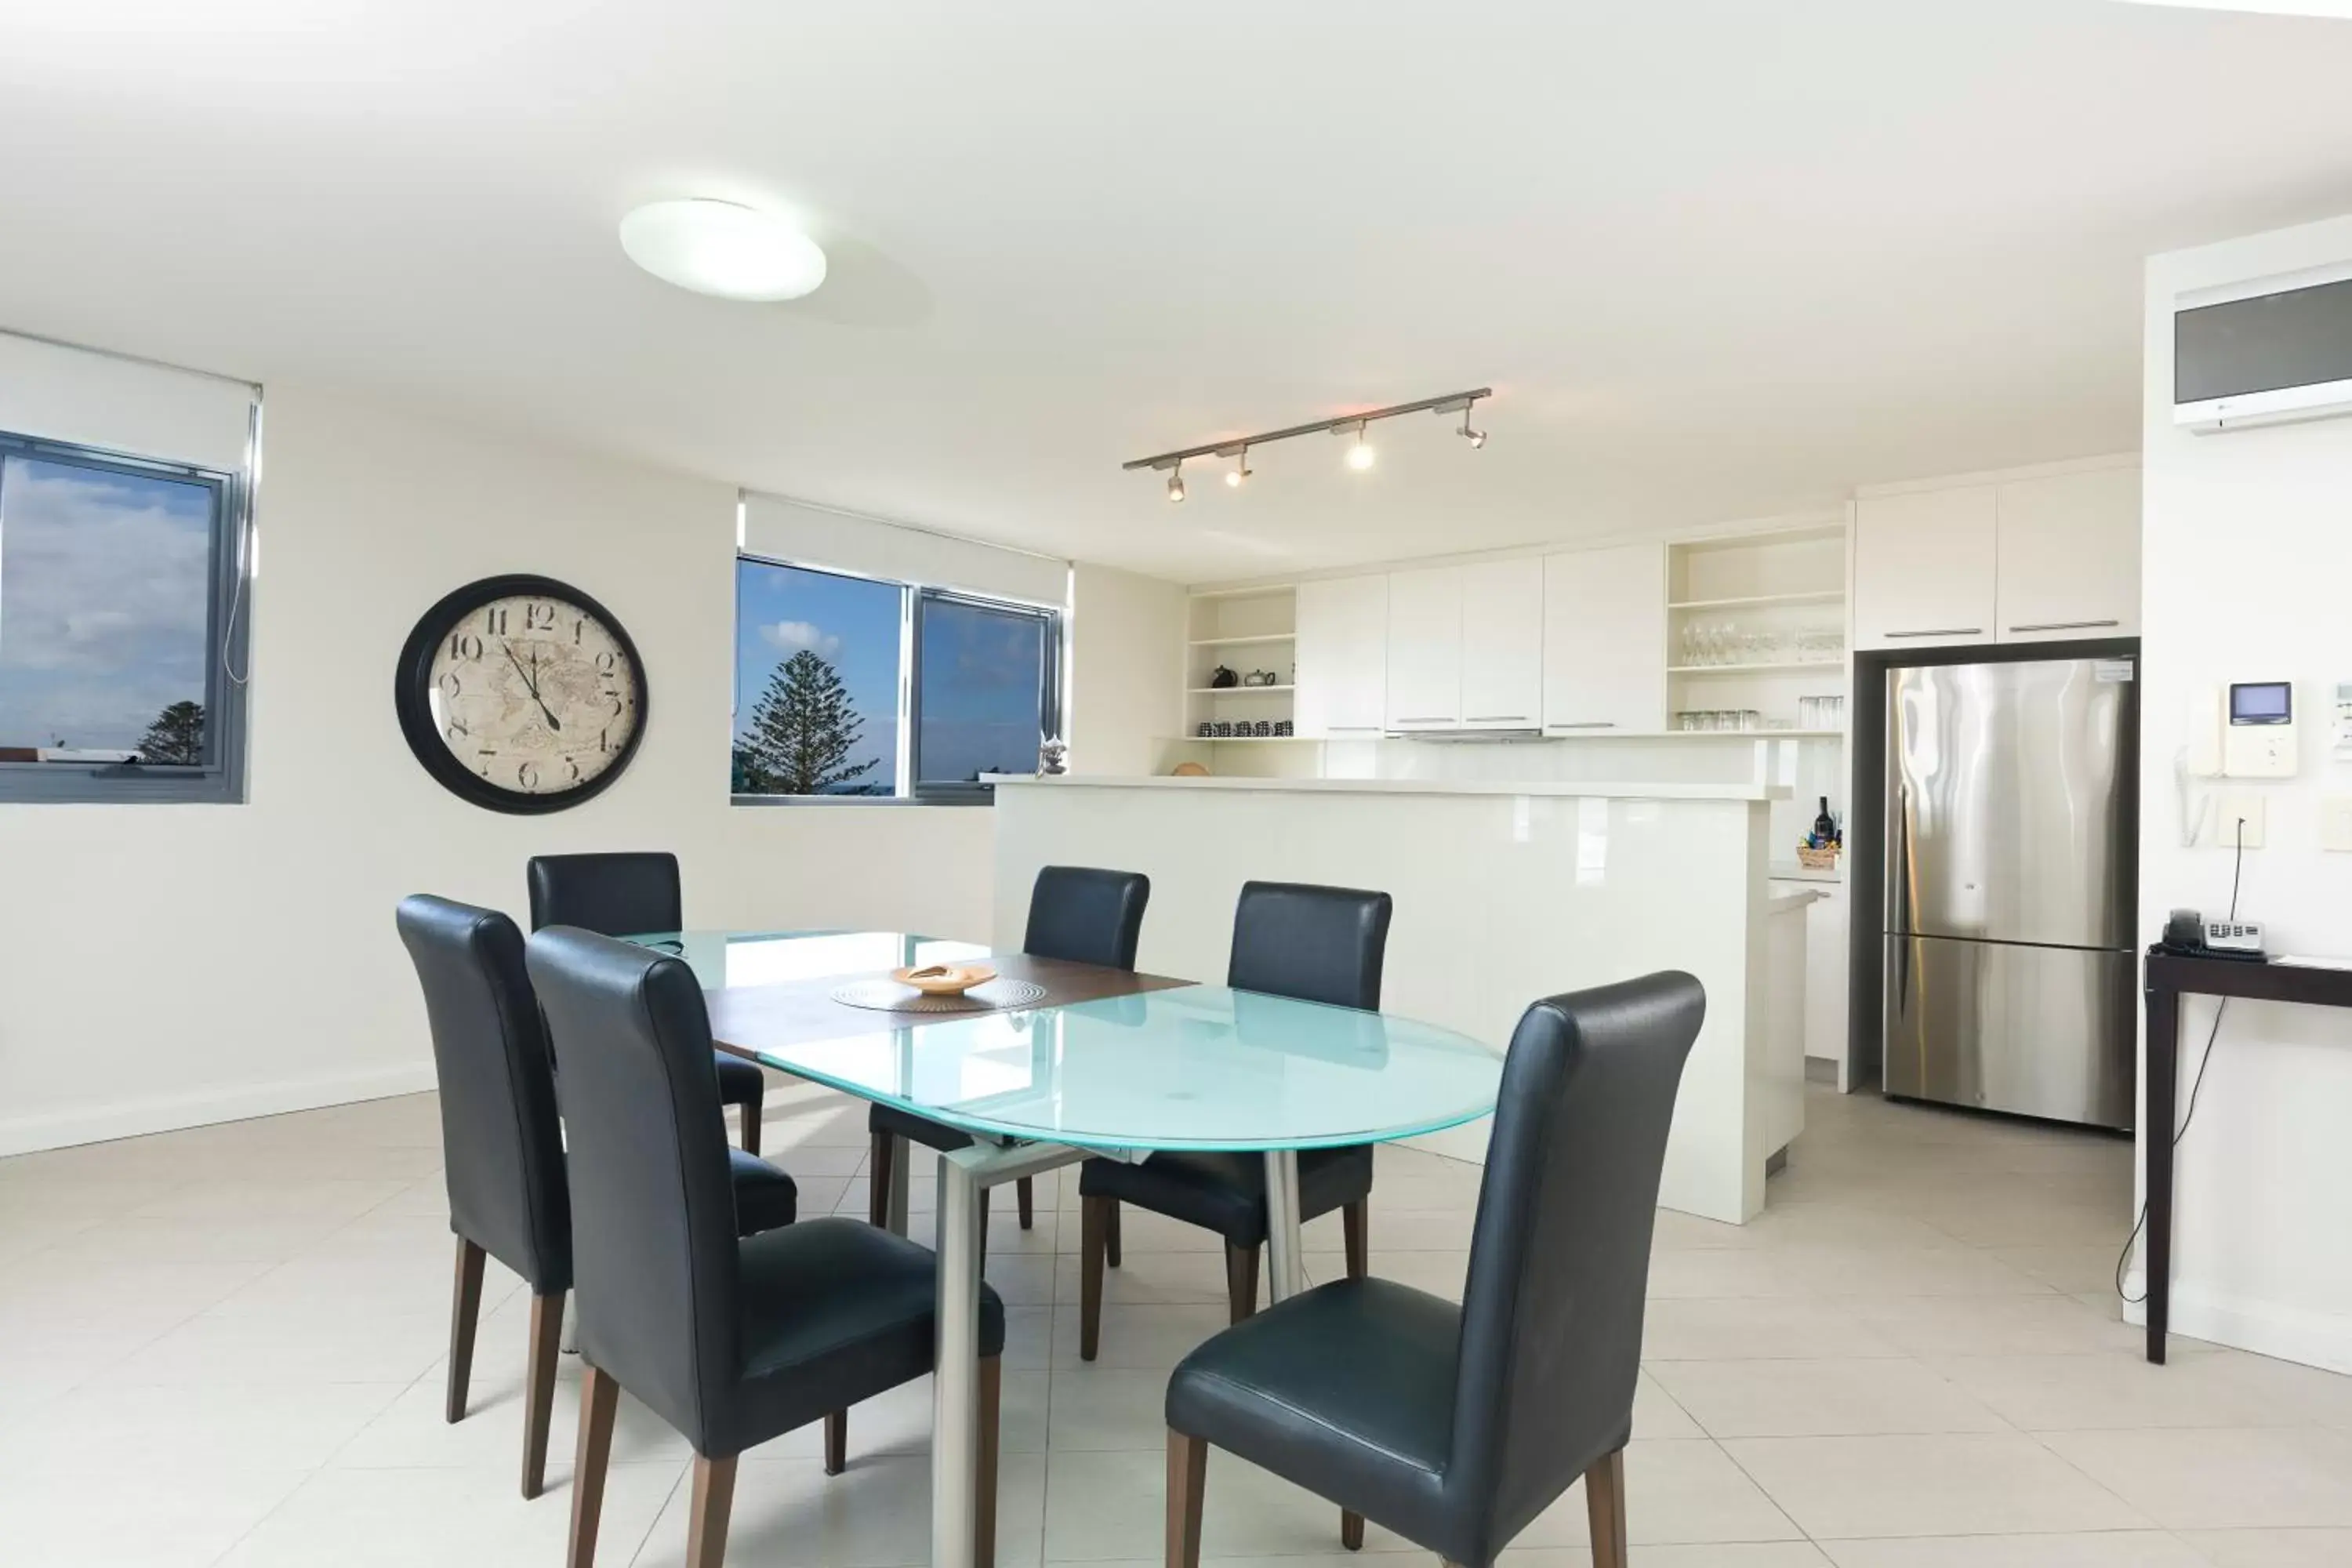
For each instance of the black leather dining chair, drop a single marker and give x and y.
(502, 1151)
(731, 1341)
(1077, 913)
(628, 894)
(1290, 939)
(1455, 1426)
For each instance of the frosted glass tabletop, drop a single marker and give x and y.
(1192, 1067)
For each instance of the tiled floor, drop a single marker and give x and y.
(225, 1346)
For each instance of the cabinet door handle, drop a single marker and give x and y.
(1586, 725)
(2065, 626)
(1942, 632)
(1495, 719)
(1353, 729)
(1428, 719)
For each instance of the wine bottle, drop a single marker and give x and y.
(1825, 831)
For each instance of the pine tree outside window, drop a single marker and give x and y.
(853, 687)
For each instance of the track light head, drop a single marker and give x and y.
(1360, 456)
(1176, 481)
(1238, 475)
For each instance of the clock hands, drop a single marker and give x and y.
(530, 685)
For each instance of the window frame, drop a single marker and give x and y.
(1049, 674)
(911, 596)
(220, 779)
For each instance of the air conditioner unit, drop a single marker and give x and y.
(2268, 352)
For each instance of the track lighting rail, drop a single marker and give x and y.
(1453, 402)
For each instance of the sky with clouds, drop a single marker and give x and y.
(105, 600)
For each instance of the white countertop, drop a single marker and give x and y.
(1606, 791)
(1796, 871)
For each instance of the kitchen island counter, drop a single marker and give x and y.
(1504, 892)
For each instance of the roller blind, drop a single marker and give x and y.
(806, 535)
(59, 394)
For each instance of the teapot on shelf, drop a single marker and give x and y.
(1261, 678)
(1221, 677)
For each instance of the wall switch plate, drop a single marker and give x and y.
(2336, 822)
(2229, 810)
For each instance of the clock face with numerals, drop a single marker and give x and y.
(522, 694)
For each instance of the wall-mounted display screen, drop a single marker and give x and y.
(2262, 702)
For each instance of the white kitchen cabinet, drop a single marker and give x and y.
(2068, 556)
(1502, 644)
(1604, 641)
(1343, 639)
(1924, 567)
(1424, 651)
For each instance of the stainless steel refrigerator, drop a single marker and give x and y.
(2010, 882)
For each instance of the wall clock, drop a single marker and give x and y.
(522, 694)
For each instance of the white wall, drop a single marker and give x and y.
(161, 966)
(2247, 544)
(1126, 669)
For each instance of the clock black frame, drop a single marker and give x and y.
(413, 686)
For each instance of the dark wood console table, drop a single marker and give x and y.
(2169, 977)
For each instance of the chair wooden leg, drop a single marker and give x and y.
(600, 1397)
(836, 1442)
(1356, 1227)
(1188, 1479)
(1093, 1218)
(984, 1512)
(877, 1181)
(751, 1127)
(1028, 1197)
(539, 1388)
(706, 1510)
(1605, 1504)
(464, 1309)
(1351, 1531)
(1240, 1282)
(1110, 1232)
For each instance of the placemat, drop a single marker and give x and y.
(989, 996)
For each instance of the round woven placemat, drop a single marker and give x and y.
(989, 996)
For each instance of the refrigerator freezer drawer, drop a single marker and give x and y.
(2039, 1031)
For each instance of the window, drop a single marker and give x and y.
(984, 680)
(851, 685)
(120, 624)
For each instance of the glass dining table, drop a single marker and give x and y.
(1107, 1064)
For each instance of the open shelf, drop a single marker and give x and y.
(1244, 740)
(1234, 690)
(1236, 642)
(1762, 600)
(1784, 667)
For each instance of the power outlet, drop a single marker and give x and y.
(2232, 810)
(2336, 822)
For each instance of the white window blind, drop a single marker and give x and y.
(53, 393)
(804, 535)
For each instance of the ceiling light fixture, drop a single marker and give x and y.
(1176, 480)
(723, 248)
(1360, 456)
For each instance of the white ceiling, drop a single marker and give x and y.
(1719, 258)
